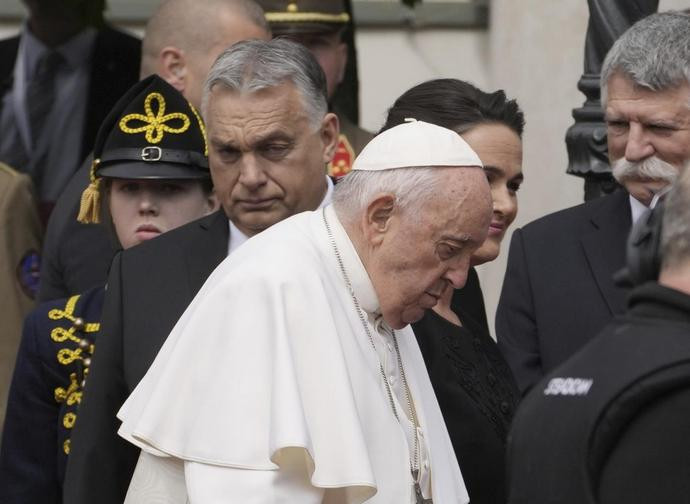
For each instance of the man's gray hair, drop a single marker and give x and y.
(356, 190)
(253, 65)
(675, 233)
(654, 53)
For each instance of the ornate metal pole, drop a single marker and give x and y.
(586, 139)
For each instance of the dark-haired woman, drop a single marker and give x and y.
(474, 387)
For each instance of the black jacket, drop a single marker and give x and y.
(610, 425)
(149, 287)
(558, 290)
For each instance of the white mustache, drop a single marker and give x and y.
(650, 168)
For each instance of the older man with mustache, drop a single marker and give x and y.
(558, 290)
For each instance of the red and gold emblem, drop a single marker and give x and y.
(343, 158)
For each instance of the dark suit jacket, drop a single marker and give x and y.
(114, 69)
(558, 290)
(44, 397)
(149, 287)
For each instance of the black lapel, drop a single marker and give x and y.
(208, 248)
(604, 246)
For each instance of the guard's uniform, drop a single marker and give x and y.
(52, 365)
(152, 133)
(611, 424)
(351, 141)
(296, 18)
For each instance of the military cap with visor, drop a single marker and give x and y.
(291, 17)
(152, 132)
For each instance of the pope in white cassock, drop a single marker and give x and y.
(294, 376)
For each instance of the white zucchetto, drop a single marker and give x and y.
(416, 144)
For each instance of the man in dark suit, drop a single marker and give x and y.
(558, 290)
(268, 148)
(182, 39)
(93, 58)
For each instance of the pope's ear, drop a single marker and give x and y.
(377, 217)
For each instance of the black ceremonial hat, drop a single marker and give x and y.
(290, 17)
(152, 132)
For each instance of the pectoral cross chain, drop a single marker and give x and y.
(419, 498)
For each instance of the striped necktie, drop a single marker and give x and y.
(40, 93)
(40, 98)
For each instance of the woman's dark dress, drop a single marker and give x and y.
(475, 390)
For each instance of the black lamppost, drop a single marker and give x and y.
(586, 139)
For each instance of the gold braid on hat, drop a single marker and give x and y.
(89, 209)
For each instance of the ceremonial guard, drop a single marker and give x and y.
(149, 175)
(325, 27)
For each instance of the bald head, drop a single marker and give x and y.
(184, 37)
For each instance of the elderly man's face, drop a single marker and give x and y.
(648, 133)
(267, 158)
(419, 252)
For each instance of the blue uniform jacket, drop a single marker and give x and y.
(52, 365)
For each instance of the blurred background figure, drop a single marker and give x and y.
(20, 241)
(60, 77)
(473, 384)
(136, 200)
(326, 28)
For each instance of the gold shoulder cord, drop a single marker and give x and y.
(81, 356)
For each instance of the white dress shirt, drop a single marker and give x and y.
(636, 209)
(237, 237)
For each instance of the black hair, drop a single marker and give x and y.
(456, 105)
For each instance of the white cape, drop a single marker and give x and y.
(272, 354)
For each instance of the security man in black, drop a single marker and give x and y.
(612, 424)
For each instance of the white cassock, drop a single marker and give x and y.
(268, 388)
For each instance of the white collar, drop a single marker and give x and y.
(359, 278)
(636, 209)
(237, 237)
